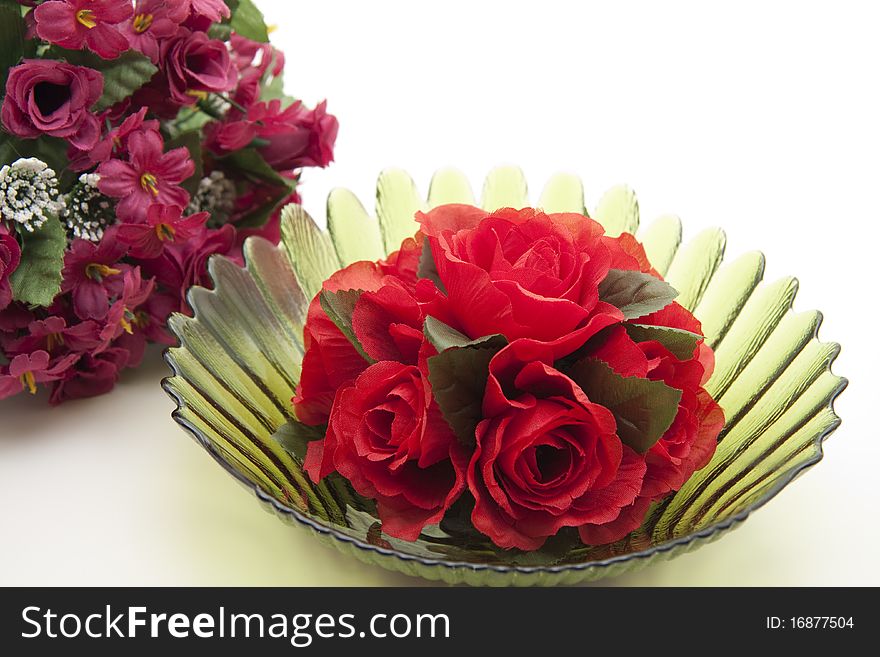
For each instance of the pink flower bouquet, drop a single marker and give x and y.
(136, 140)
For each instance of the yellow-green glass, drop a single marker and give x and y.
(239, 357)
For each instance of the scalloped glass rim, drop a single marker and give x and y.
(354, 235)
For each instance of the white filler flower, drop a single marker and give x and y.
(88, 212)
(215, 195)
(29, 193)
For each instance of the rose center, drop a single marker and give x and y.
(150, 184)
(165, 232)
(142, 22)
(552, 463)
(49, 97)
(97, 272)
(86, 18)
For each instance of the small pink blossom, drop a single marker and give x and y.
(165, 225)
(149, 176)
(213, 10)
(148, 25)
(113, 144)
(54, 335)
(25, 371)
(92, 274)
(75, 24)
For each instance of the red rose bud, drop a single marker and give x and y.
(52, 98)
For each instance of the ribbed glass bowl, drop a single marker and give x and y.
(238, 362)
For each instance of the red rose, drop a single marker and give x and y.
(330, 360)
(690, 441)
(387, 437)
(545, 457)
(521, 273)
(53, 98)
(195, 64)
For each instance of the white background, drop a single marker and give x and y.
(761, 117)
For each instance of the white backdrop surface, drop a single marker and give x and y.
(758, 117)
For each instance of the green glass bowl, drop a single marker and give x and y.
(238, 363)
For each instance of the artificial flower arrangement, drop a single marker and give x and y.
(514, 375)
(136, 140)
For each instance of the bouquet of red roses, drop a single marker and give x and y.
(137, 138)
(521, 366)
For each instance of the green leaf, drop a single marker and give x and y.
(250, 164)
(37, 279)
(458, 381)
(444, 337)
(644, 409)
(295, 436)
(635, 293)
(220, 31)
(12, 42)
(248, 21)
(192, 141)
(458, 375)
(339, 307)
(428, 268)
(679, 342)
(122, 76)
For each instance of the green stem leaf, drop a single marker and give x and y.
(644, 409)
(635, 293)
(37, 279)
(248, 21)
(339, 307)
(679, 342)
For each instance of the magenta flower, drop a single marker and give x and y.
(150, 176)
(75, 24)
(195, 65)
(94, 374)
(10, 255)
(113, 144)
(296, 136)
(149, 23)
(53, 334)
(152, 315)
(184, 264)
(121, 316)
(92, 273)
(53, 98)
(27, 370)
(213, 10)
(165, 225)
